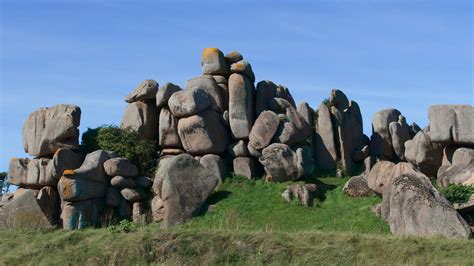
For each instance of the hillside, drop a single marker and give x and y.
(253, 225)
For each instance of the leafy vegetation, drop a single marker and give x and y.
(126, 226)
(125, 143)
(457, 193)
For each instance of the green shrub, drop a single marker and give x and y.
(123, 226)
(457, 193)
(126, 143)
(327, 103)
(89, 140)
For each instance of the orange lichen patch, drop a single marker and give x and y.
(67, 188)
(208, 52)
(68, 172)
(239, 66)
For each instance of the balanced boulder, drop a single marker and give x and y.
(213, 62)
(49, 129)
(423, 153)
(164, 94)
(186, 103)
(264, 129)
(381, 141)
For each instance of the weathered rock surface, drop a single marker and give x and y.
(306, 160)
(122, 182)
(325, 145)
(339, 100)
(302, 193)
(82, 214)
(215, 165)
(142, 118)
(186, 103)
(238, 149)
(357, 186)
(244, 68)
(294, 129)
(241, 106)
(384, 172)
(233, 57)
(49, 129)
(381, 141)
(213, 62)
(460, 169)
(80, 189)
(92, 168)
(266, 92)
(306, 112)
(132, 194)
(168, 130)
(280, 162)
(120, 167)
(31, 209)
(145, 91)
(184, 189)
(215, 92)
(164, 94)
(143, 181)
(245, 166)
(412, 206)
(452, 124)
(264, 129)
(400, 133)
(426, 155)
(203, 133)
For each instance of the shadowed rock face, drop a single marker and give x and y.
(49, 129)
(184, 189)
(412, 206)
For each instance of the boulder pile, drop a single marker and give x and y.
(224, 121)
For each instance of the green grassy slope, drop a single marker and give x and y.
(249, 224)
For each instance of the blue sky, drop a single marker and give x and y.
(402, 54)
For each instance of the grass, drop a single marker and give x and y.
(242, 204)
(249, 224)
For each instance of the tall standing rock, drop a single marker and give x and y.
(241, 106)
(325, 145)
(381, 141)
(339, 100)
(203, 133)
(142, 118)
(145, 91)
(400, 133)
(49, 129)
(168, 130)
(213, 62)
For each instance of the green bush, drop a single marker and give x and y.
(123, 226)
(126, 143)
(89, 140)
(457, 193)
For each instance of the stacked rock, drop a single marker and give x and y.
(83, 192)
(141, 114)
(339, 134)
(51, 135)
(128, 191)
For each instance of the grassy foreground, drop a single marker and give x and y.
(249, 224)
